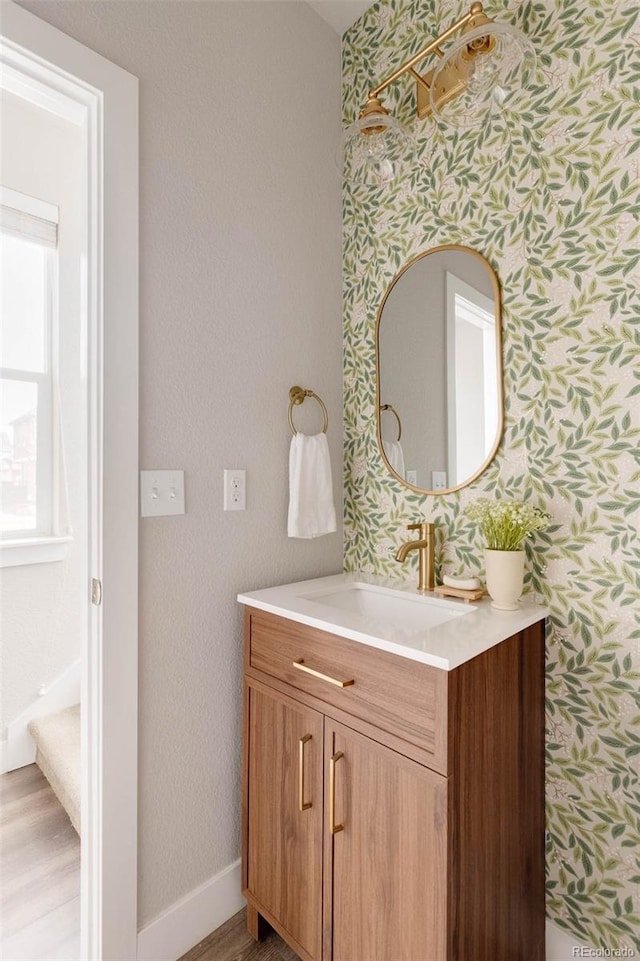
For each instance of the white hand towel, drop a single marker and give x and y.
(395, 456)
(311, 509)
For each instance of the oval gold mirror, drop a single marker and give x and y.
(439, 370)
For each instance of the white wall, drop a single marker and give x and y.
(240, 299)
(40, 603)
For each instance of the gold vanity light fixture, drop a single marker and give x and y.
(485, 64)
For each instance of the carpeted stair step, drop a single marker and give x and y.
(57, 740)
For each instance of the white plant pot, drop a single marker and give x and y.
(505, 575)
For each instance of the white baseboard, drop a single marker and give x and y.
(560, 945)
(19, 750)
(192, 918)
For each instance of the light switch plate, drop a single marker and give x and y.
(161, 492)
(438, 480)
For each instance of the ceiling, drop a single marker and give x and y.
(340, 14)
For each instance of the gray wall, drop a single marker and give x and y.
(240, 299)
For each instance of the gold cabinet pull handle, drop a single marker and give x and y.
(333, 827)
(301, 666)
(302, 804)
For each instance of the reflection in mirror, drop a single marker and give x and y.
(439, 369)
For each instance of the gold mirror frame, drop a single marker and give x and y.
(498, 315)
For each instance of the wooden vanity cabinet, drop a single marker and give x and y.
(406, 825)
(284, 806)
(387, 870)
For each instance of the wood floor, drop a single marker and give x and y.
(231, 942)
(40, 884)
(39, 872)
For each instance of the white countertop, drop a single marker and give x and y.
(445, 645)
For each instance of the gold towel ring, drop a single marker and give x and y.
(297, 396)
(393, 411)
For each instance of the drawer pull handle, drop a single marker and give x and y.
(333, 827)
(302, 804)
(301, 666)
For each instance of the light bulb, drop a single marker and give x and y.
(376, 150)
(491, 64)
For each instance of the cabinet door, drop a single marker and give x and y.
(284, 816)
(388, 854)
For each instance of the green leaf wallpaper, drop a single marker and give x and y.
(550, 195)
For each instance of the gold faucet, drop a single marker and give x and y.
(425, 545)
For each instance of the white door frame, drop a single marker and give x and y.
(55, 65)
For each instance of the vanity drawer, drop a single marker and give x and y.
(404, 697)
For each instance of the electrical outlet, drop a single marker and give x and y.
(235, 489)
(411, 477)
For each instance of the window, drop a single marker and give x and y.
(28, 266)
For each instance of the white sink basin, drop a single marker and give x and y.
(394, 617)
(389, 607)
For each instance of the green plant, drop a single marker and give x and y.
(505, 524)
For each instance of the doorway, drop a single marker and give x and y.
(43, 515)
(51, 72)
